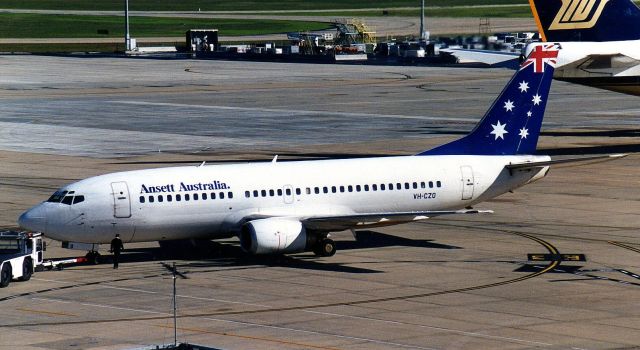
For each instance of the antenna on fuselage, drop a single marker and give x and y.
(202, 164)
(275, 159)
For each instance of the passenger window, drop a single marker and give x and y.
(374, 187)
(350, 188)
(298, 192)
(229, 195)
(141, 199)
(178, 198)
(399, 186)
(169, 198)
(382, 187)
(78, 199)
(263, 193)
(308, 190)
(390, 187)
(186, 196)
(151, 199)
(279, 192)
(213, 195)
(195, 196)
(204, 196)
(271, 193)
(221, 195)
(255, 193)
(325, 189)
(406, 186)
(67, 200)
(341, 188)
(160, 199)
(366, 187)
(358, 188)
(438, 184)
(288, 191)
(316, 190)
(247, 194)
(423, 185)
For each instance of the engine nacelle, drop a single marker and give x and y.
(273, 236)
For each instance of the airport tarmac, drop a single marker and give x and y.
(454, 283)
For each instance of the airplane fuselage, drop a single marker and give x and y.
(214, 201)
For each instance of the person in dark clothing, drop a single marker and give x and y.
(116, 248)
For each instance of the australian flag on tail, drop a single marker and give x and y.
(512, 124)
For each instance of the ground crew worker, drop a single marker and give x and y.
(116, 248)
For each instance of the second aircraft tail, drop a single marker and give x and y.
(586, 20)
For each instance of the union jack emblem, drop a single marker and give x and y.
(540, 55)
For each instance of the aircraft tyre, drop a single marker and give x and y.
(5, 275)
(27, 269)
(326, 247)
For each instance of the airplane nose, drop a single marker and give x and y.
(33, 219)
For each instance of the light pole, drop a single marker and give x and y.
(422, 21)
(127, 37)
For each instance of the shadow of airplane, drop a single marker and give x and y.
(212, 254)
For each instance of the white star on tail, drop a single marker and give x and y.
(529, 114)
(536, 99)
(508, 106)
(524, 86)
(498, 130)
(524, 133)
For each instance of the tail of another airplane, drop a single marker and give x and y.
(512, 124)
(586, 20)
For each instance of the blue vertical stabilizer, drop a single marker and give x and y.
(512, 124)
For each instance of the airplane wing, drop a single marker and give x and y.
(598, 65)
(529, 165)
(493, 58)
(344, 222)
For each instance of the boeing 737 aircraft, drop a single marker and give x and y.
(288, 207)
(600, 41)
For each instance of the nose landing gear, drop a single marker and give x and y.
(93, 257)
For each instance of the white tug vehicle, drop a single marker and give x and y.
(20, 253)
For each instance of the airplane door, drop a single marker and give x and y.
(467, 182)
(288, 194)
(121, 202)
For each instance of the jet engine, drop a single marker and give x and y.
(273, 236)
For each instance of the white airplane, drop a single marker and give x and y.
(600, 41)
(289, 207)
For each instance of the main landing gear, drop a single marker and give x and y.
(325, 246)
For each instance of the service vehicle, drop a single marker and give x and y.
(20, 253)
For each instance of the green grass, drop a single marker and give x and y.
(55, 48)
(507, 11)
(241, 5)
(68, 26)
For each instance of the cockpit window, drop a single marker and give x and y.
(66, 197)
(57, 197)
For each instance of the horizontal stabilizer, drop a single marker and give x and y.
(493, 58)
(529, 165)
